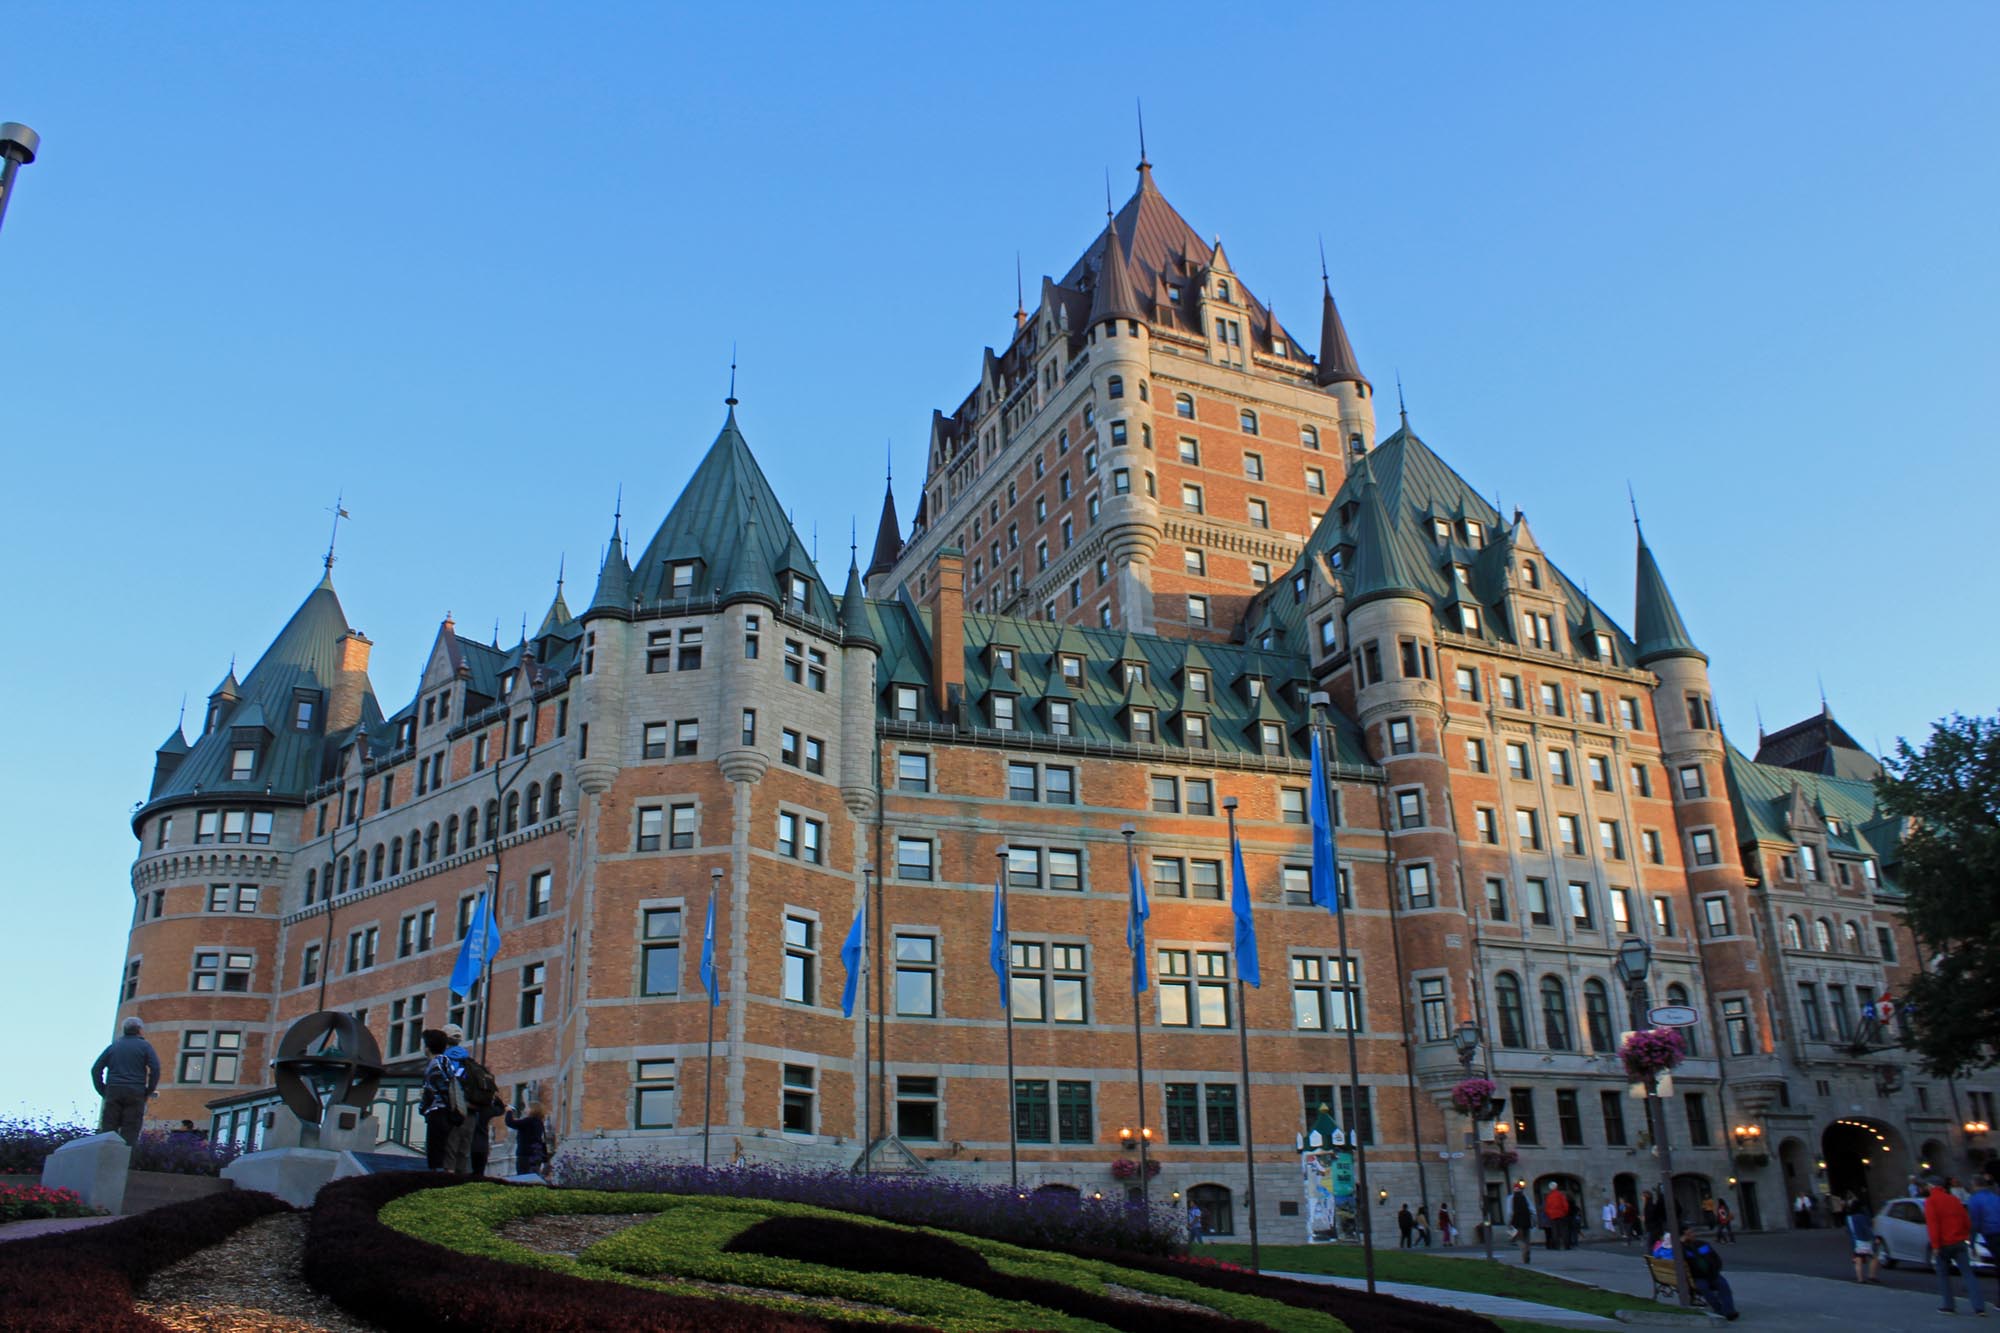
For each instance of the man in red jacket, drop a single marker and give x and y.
(1950, 1228)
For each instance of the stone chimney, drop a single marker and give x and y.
(947, 604)
(343, 704)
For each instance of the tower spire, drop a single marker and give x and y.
(1107, 194)
(562, 561)
(1020, 303)
(1144, 165)
(1632, 498)
(338, 514)
(1402, 412)
(1337, 363)
(731, 399)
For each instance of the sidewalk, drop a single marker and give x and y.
(1493, 1307)
(1765, 1299)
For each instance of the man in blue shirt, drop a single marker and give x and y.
(1704, 1267)
(126, 1073)
(1984, 1208)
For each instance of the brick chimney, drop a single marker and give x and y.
(343, 704)
(947, 603)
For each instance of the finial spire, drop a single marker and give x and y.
(338, 514)
(889, 460)
(181, 721)
(1325, 284)
(1821, 679)
(618, 507)
(1757, 707)
(731, 399)
(562, 560)
(1020, 301)
(1107, 194)
(1144, 165)
(1402, 411)
(1632, 498)
(853, 538)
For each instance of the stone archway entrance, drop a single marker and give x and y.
(1865, 1157)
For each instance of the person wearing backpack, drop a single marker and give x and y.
(482, 1098)
(447, 1126)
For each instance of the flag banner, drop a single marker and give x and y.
(1137, 910)
(1246, 927)
(708, 954)
(1325, 868)
(996, 950)
(482, 943)
(850, 958)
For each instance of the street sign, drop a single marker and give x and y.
(1673, 1016)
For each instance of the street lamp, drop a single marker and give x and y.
(1975, 1128)
(1635, 960)
(18, 145)
(1466, 1042)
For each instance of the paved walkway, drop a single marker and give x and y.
(1494, 1307)
(45, 1226)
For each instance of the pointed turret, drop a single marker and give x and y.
(1114, 297)
(558, 612)
(1337, 363)
(614, 581)
(888, 535)
(854, 626)
(1656, 622)
(1382, 568)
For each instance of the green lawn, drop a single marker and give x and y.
(1430, 1270)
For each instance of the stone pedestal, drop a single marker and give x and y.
(297, 1158)
(94, 1166)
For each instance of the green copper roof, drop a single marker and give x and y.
(614, 580)
(1384, 565)
(1767, 799)
(1656, 621)
(729, 522)
(854, 624)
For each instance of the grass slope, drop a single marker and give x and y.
(1431, 1270)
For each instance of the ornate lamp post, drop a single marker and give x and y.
(1635, 959)
(1466, 1042)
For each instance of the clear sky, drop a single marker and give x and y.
(474, 267)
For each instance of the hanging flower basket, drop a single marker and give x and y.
(1473, 1095)
(1498, 1159)
(1127, 1168)
(1652, 1052)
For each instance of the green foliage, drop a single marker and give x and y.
(1950, 871)
(683, 1246)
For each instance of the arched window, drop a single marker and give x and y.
(1597, 1015)
(345, 866)
(1144, 396)
(451, 836)
(1851, 934)
(416, 845)
(1823, 935)
(471, 826)
(1532, 573)
(1248, 421)
(534, 802)
(513, 811)
(396, 856)
(555, 795)
(1309, 436)
(1222, 289)
(1795, 932)
(1115, 387)
(492, 820)
(1184, 405)
(1354, 443)
(379, 853)
(431, 843)
(1145, 435)
(312, 884)
(326, 879)
(1555, 1013)
(1513, 1018)
(1218, 1217)
(1678, 994)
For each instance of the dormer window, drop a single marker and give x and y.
(1197, 683)
(1222, 289)
(1835, 827)
(242, 763)
(1299, 583)
(1141, 726)
(1531, 573)
(1059, 717)
(214, 716)
(1475, 535)
(506, 684)
(1278, 346)
(906, 703)
(302, 712)
(680, 579)
(1271, 738)
(1354, 445)
(1604, 648)
(797, 586)
(1468, 619)
(1071, 667)
(1461, 575)
(1133, 674)
(1003, 659)
(1174, 292)
(1441, 531)
(1194, 731)
(1002, 708)
(1253, 688)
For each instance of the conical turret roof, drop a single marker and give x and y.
(854, 627)
(614, 580)
(888, 535)
(1656, 621)
(1337, 363)
(1114, 297)
(174, 744)
(1382, 568)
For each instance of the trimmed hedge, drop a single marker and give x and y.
(406, 1285)
(83, 1281)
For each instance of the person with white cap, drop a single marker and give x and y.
(126, 1073)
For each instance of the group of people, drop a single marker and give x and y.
(1415, 1228)
(459, 1104)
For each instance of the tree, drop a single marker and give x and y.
(1950, 873)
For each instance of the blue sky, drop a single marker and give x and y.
(475, 268)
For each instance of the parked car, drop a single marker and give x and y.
(1901, 1237)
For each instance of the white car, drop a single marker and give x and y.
(1902, 1237)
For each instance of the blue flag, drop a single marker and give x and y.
(1325, 869)
(1246, 928)
(850, 958)
(708, 954)
(996, 951)
(482, 942)
(1136, 911)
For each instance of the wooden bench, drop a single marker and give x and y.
(1665, 1288)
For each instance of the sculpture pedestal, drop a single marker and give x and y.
(297, 1159)
(95, 1166)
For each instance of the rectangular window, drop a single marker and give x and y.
(1023, 782)
(913, 859)
(1517, 759)
(659, 652)
(1581, 915)
(1736, 1026)
(1614, 1118)
(1475, 754)
(1402, 736)
(1359, 1122)
(1496, 899)
(660, 951)
(1704, 846)
(1656, 852)
(406, 1026)
(1049, 982)
(534, 980)
(1223, 1121)
(1205, 880)
(1074, 1121)
(1529, 828)
(916, 976)
(1409, 809)
(1292, 805)
(1692, 782)
(1417, 886)
(1569, 1119)
(1432, 1005)
(1663, 914)
(1031, 1110)
(652, 825)
(541, 893)
(687, 737)
(653, 1094)
(1552, 700)
(1621, 910)
(653, 741)
(1059, 785)
(1559, 770)
(797, 1099)
(1540, 912)
(1487, 822)
(1319, 1002)
(801, 959)
(1522, 1100)
(917, 1108)
(1610, 839)
(1697, 1114)
(913, 772)
(1715, 916)
(1569, 834)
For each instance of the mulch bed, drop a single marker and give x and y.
(253, 1282)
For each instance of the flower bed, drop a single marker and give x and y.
(27, 1141)
(82, 1281)
(1047, 1218)
(22, 1203)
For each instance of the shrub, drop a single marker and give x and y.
(400, 1283)
(27, 1141)
(82, 1281)
(182, 1154)
(20, 1203)
(1052, 1219)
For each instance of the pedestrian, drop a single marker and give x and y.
(1725, 1222)
(1424, 1225)
(1555, 1206)
(187, 1133)
(1861, 1234)
(126, 1074)
(1194, 1223)
(1406, 1225)
(1983, 1209)
(482, 1133)
(1950, 1228)
(1704, 1268)
(1608, 1215)
(1447, 1232)
(1628, 1220)
(1521, 1217)
(531, 1139)
(447, 1125)
(1656, 1216)
(1802, 1211)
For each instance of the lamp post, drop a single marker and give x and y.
(18, 145)
(1635, 959)
(1466, 1042)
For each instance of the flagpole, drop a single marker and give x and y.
(1138, 1041)
(1007, 1008)
(1323, 733)
(1243, 1054)
(867, 1093)
(487, 930)
(708, 1060)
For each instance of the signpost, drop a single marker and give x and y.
(1673, 1016)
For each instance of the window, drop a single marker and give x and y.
(1703, 843)
(1540, 912)
(1613, 1104)
(1656, 852)
(1736, 1026)
(1795, 936)
(1512, 1014)
(1194, 731)
(1529, 828)
(1541, 630)
(1205, 880)
(1402, 736)
(797, 1099)
(1184, 406)
(1597, 1015)
(1259, 513)
(1191, 497)
(1197, 611)
(1621, 910)
(1467, 679)
(406, 1026)
(1417, 886)
(1663, 915)
(1715, 917)
(1059, 717)
(360, 949)
(1692, 782)
(1320, 1003)
(1409, 809)
(308, 968)
(1552, 699)
(1697, 1114)
(1885, 943)
(1049, 982)
(216, 970)
(1246, 419)
(242, 763)
(1194, 988)
(917, 1107)
(1487, 822)
(687, 737)
(652, 823)
(660, 951)
(1555, 1014)
(1510, 692)
(653, 741)
(1496, 899)
(1569, 1120)
(1610, 839)
(906, 703)
(788, 747)
(534, 980)
(210, 1056)
(1525, 1129)
(1581, 916)
(1517, 760)
(749, 732)
(916, 976)
(913, 858)
(1193, 561)
(1559, 770)
(1591, 704)
(1432, 1005)
(801, 959)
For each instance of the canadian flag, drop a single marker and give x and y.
(1885, 1010)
